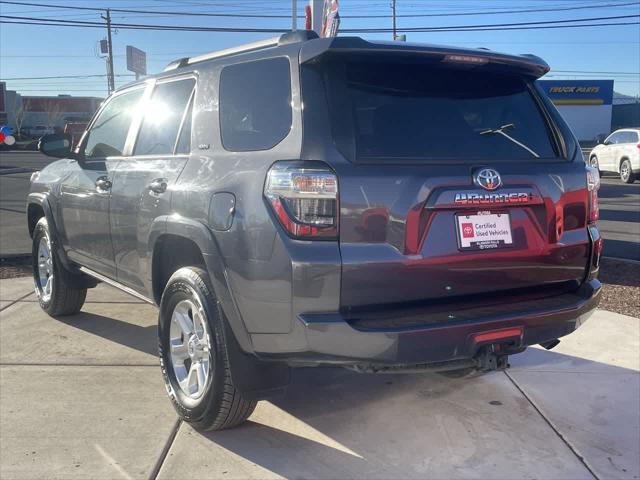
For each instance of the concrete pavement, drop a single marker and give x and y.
(83, 397)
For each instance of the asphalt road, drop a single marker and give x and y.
(619, 208)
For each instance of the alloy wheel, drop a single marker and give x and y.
(190, 346)
(45, 268)
(625, 171)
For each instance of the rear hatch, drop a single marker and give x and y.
(454, 182)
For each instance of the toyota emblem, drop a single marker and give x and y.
(488, 178)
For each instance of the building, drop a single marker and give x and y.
(586, 105)
(20, 111)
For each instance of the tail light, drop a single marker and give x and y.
(304, 198)
(593, 185)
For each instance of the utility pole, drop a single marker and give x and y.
(111, 85)
(393, 13)
(294, 15)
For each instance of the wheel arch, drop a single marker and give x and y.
(193, 241)
(38, 206)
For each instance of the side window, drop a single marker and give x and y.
(613, 139)
(163, 116)
(629, 137)
(255, 104)
(108, 134)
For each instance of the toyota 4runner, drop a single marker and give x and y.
(304, 201)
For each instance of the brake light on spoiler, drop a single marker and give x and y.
(471, 59)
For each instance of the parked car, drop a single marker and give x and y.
(434, 213)
(619, 153)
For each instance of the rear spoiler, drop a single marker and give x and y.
(527, 64)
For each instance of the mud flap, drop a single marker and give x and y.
(256, 380)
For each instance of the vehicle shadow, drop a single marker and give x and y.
(143, 339)
(333, 423)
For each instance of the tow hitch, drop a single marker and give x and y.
(494, 347)
(491, 358)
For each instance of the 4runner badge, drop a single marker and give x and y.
(492, 198)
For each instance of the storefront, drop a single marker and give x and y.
(586, 105)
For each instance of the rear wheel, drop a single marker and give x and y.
(56, 288)
(194, 357)
(626, 173)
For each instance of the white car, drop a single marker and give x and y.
(619, 153)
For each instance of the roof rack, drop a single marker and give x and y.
(284, 39)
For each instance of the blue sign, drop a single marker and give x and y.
(578, 92)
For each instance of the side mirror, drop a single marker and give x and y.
(55, 145)
(600, 138)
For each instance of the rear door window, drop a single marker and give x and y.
(613, 139)
(255, 104)
(108, 133)
(629, 137)
(416, 111)
(163, 117)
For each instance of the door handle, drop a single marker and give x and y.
(158, 185)
(103, 183)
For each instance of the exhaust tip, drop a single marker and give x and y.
(550, 344)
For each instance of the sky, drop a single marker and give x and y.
(573, 53)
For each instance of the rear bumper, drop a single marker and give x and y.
(330, 338)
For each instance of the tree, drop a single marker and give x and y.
(54, 112)
(20, 109)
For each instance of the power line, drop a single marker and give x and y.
(542, 22)
(454, 28)
(226, 30)
(68, 76)
(241, 15)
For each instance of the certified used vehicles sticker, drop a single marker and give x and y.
(484, 231)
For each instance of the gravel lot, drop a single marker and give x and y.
(621, 287)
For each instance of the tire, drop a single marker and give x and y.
(196, 370)
(57, 289)
(593, 161)
(626, 173)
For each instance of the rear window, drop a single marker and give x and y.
(417, 111)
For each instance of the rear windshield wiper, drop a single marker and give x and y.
(501, 131)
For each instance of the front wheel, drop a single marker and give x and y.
(626, 173)
(593, 161)
(194, 357)
(57, 291)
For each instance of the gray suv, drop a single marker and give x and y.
(303, 201)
